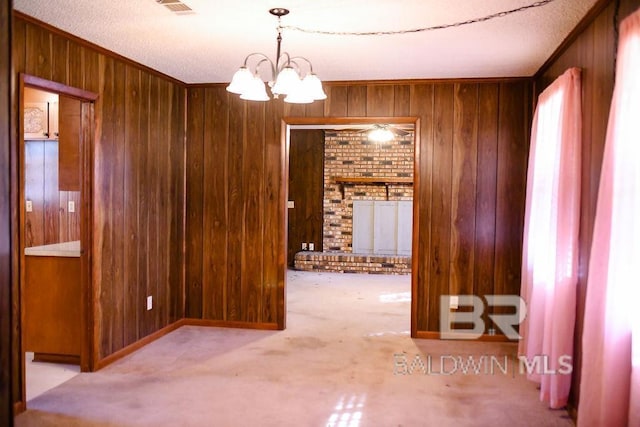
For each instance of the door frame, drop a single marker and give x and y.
(285, 139)
(87, 143)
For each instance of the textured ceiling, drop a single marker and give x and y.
(209, 44)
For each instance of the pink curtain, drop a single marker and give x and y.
(550, 247)
(610, 377)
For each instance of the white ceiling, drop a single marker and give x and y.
(208, 45)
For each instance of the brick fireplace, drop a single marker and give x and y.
(357, 170)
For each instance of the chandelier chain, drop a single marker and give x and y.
(502, 14)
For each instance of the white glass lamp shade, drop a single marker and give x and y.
(241, 81)
(381, 134)
(256, 90)
(313, 86)
(286, 80)
(299, 94)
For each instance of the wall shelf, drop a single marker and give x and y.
(371, 180)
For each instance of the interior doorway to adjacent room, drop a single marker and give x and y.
(55, 152)
(347, 193)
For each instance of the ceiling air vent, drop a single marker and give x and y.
(175, 6)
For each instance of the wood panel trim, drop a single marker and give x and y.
(228, 324)
(8, 347)
(123, 352)
(431, 335)
(93, 46)
(398, 82)
(415, 243)
(595, 11)
(88, 311)
(59, 88)
(311, 121)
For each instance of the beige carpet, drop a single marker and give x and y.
(343, 361)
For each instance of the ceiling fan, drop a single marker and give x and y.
(383, 132)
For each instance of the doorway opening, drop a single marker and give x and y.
(56, 157)
(351, 209)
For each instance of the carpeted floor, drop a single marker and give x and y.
(346, 359)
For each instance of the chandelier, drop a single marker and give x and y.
(287, 78)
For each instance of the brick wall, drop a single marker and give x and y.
(352, 155)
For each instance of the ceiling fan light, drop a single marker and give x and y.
(313, 86)
(286, 81)
(241, 81)
(255, 91)
(381, 134)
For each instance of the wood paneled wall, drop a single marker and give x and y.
(138, 181)
(306, 190)
(594, 51)
(49, 221)
(7, 175)
(472, 164)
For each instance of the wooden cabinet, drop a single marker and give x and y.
(52, 308)
(69, 144)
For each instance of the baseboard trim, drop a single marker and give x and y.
(228, 324)
(136, 345)
(67, 359)
(434, 335)
(18, 408)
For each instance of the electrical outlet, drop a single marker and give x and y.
(311, 246)
(28, 205)
(304, 246)
(453, 302)
(149, 302)
(291, 204)
(72, 206)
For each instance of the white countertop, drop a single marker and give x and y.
(66, 249)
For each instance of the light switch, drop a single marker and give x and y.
(291, 204)
(311, 246)
(72, 206)
(28, 206)
(149, 302)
